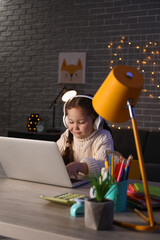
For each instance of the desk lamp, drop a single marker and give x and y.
(66, 94)
(115, 101)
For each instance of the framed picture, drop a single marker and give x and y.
(72, 66)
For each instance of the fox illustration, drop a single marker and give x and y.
(71, 73)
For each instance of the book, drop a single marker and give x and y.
(153, 190)
(136, 196)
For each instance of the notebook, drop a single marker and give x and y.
(36, 161)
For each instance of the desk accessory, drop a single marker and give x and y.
(99, 211)
(118, 190)
(115, 101)
(40, 127)
(153, 190)
(33, 119)
(77, 209)
(118, 193)
(136, 197)
(64, 198)
(99, 215)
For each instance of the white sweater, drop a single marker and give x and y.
(91, 150)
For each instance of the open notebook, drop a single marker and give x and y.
(36, 161)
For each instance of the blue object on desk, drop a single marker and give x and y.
(77, 209)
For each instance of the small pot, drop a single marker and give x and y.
(99, 215)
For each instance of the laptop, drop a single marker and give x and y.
(36, 161)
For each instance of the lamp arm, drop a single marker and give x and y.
(141, 161)
(55, 100)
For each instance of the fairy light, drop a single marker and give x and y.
(144, 90)
(150, 95)
(147, 62)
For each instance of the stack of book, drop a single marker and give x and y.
(136, 196)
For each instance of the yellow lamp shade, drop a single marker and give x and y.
(122, 84)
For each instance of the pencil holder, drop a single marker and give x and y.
(118, 193)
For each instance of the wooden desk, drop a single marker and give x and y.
(23, 215)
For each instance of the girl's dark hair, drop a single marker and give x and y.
(85, 103)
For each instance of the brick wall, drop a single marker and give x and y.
(33, 33)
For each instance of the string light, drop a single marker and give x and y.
(146, 60)
(148, 49)
(144, 90)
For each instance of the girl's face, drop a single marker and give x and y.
(79, 123)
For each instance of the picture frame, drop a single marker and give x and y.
(72, 67)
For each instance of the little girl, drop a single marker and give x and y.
(85, 143)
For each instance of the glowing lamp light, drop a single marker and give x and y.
(68, 94)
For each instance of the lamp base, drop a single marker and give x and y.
(137, 227)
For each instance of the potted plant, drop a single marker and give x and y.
(99, 211)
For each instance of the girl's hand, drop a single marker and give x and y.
(74, 168)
